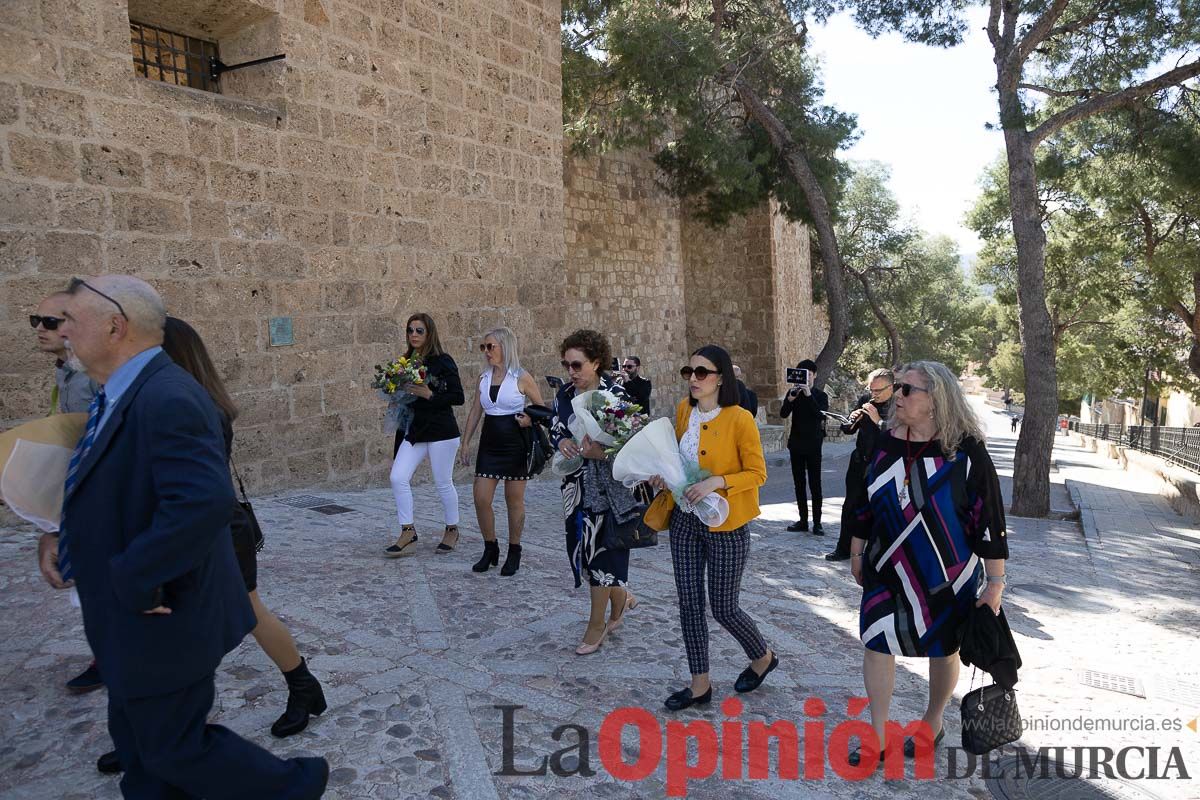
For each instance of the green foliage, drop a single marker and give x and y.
(916, 279)
(653, 75)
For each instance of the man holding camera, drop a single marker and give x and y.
(865, 422)
(804, 404)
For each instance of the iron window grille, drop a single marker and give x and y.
(163, 55)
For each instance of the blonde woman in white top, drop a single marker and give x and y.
(503, 392)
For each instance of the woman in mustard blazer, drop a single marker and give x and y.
(723, 438)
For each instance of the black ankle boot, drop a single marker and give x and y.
(512, 562)
(490, 558)
(304, 697)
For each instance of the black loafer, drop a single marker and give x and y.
(87, 681)
(109, 764)
(836, 556)
(797, 527)
(817, 529)
(854, 758)
(683, 699)
(750, 680)
(910, 744)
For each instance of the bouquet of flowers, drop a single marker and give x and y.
(603, 417)
(390, 379)
(655, 451)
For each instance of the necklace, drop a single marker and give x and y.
(909, 460)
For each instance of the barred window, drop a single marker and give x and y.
(162, 55)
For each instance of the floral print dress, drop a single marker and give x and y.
(587, 556)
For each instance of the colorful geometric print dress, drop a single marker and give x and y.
(925, 541)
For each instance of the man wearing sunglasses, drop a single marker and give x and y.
(637, 386)
(73, 389)
(73, 392)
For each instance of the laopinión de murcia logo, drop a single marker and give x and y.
(734, 749)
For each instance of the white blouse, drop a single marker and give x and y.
(509, 399)
(689, 445)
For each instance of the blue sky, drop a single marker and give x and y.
(922, 111)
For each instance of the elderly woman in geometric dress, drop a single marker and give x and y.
(930, 536)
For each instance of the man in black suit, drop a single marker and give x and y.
(865, 421)
(747, 399)
(804, 404)
(637, 386)
(145, 538)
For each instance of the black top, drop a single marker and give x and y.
(747, 399)
(638, 390)
(865, 428)
(808, 428)
(433, 419)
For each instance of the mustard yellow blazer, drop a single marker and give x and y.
(729, 447)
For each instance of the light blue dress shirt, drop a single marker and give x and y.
(121, 380)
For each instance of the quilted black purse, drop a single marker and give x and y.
(990, 718)
(627, 536)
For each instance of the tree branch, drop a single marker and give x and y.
(1033, 87)
(1040, 29)
(1182, 312)
(1111, 100)
(993, 23)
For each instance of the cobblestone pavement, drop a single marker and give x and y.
(417, 653)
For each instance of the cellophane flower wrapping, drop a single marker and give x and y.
(654, 450)
(390, 379)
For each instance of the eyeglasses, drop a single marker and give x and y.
(49, 323)
(487, 347)
(77, 282)
(419, 331)
(701, 373)
(908, 388)
(572, 366)
(628, 367)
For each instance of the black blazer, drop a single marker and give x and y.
(154, 500)
(433, 419)
(747, 399)
(808, 424)
(638, 390)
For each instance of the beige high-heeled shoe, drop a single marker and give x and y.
(586, 649)
(631, 603)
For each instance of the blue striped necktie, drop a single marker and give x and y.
(95, 412)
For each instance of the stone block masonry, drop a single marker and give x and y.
(404, 156)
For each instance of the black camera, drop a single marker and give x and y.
(555, 382)
(616, 365)
(798, 376)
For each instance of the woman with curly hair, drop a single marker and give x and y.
(590, 494)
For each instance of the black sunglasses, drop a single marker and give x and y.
(77, 282)
(416, 330)
(628, 367)
(700, 372)
(49, 323)
(907, 388)
(572, 366)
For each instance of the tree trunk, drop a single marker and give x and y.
(1031, 467)
(889, 327)
(831, 259)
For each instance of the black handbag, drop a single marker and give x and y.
(990, 718)
(538, 449)
(248, 518)
(627, 536)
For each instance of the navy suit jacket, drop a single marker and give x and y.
(151, 509)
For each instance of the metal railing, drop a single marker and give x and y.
(1177, 445)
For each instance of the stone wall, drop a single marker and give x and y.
(405, 156)
(625, 266)
(748, 288)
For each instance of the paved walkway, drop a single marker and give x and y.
(417, 653)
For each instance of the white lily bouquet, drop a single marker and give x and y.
(655, 451)
(603, 417)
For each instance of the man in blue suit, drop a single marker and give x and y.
(145, 538)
